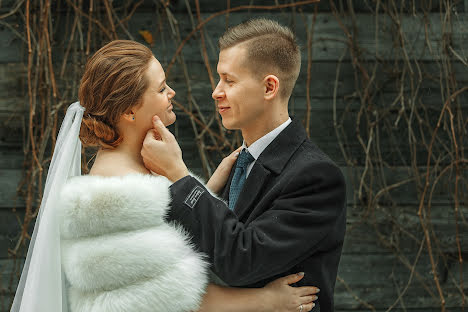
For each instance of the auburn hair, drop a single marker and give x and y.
(113, 82)
(271, 49)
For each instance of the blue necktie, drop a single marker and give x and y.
(238, 179)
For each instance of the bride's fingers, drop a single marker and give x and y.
(292, 278)
(307, 299)
(231, 158)
(307, 290)
(236, 152)
(306, 307)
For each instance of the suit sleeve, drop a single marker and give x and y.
(293, 228)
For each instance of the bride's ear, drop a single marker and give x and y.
(129, 116)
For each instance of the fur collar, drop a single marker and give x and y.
(117, 252)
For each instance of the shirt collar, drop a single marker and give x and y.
(257, 147)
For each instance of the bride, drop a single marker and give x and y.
(100, 242)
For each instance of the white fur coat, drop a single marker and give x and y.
(117, 252)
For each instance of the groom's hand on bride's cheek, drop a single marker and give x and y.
(150, 163)
(161, 152)
(156, 135)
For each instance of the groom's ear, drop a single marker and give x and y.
(271, 87)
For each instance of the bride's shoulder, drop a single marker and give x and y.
(119, 182)
(118, 166)
(96, 205)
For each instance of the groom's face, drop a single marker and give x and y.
(239, 93)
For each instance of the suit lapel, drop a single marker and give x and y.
(279, 152)
(251, 190)
(270, 163)
(227, 187)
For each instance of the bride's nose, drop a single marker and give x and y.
(171, 92)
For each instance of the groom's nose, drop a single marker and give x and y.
(217, 94)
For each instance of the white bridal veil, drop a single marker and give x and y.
(42, 284)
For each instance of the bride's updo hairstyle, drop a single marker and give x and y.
(113, 83)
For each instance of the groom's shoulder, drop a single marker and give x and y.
(310, 159)
(308, 152)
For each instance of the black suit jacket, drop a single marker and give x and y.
(290, 217)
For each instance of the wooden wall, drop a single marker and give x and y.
(371, 276)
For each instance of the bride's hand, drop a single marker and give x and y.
(283, 297)
(221, 174)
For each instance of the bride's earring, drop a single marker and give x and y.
(129, 116)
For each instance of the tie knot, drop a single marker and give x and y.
(244, 159)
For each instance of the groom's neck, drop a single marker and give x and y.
(259, 128)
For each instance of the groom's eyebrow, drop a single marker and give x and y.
(227, 74)
(162, 83)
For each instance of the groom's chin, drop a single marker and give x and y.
(228, 125)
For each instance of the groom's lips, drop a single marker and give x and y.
(222, 109)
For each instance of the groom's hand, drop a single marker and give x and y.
(161, 152)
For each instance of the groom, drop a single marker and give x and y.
(284, 202)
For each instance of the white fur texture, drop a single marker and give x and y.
(119, 255)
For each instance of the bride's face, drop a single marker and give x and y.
(156, 99)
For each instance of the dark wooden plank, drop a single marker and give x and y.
(382, 297)
(10, 159)
(384, 270)
(11, 130)
(13, 48)
(378, 280)
(9, 180)
(329, 42)
(323, 6)
(377, 268)
(9, 275)
(213, 6)
(406, 194)
(13, 83)
(10, 228)
(427, 309)
(401, 229)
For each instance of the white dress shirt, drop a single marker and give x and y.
(257, 147)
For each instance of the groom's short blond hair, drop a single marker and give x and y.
(271, 49)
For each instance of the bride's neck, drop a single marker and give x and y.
(130, 150)
(123, 159)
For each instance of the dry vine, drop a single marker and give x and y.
(436, 135)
